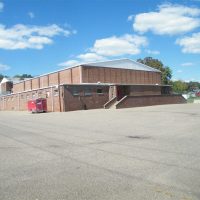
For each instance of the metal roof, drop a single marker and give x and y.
(122, 64)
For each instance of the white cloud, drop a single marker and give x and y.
(118, 46)
(89, 57)
(1, 6)
(153, 52)
(113, 46)
(31, 15)
(169, 19)
(33, 37)
(130, 18)
(190, 44)
(69, 63)
(187, 64)
(179, 71)
(4, 67)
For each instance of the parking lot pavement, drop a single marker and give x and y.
(139, 153)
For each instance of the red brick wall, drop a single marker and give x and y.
(19, 87)
(65, 76)
(141, 90)
(53, 79)
(44, 81)
(76, 76)
(81, 101)
(19, 101)
(138, 101)
(119, 76)
(28, 85)
(36, 83)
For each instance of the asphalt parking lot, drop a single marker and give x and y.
(138, 153)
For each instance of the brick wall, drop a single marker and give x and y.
(141, 90)
(19, 87)
(44, 81)
(28, 85)
(138, 101)
(19, 101)
(54, 79)
(65, 76)
(119, 76)
(84, 97)
(36, 83)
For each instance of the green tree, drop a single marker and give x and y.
(193, 85)
(23, 76)
(157, 64)
(179, 86)
(1, 77)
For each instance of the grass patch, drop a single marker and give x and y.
(191, 99)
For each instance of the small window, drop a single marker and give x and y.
(99, 91)
(75, 92)
(27, 96)
(87, 92)
(22, 96)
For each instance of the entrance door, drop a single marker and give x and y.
(122, 91)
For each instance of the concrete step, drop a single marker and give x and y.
(114, 105)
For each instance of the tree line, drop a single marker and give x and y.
(178, 86)
(21, 77)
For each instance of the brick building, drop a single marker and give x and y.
(118, 83)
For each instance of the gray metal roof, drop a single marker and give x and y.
(122, 64)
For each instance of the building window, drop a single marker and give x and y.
(75, 91)
(27, 97)
(87, 92)
(99, 91)
(22, 96)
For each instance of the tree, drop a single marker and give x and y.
(157, 64)
(23, 76)
(1, 77)
(179, 86)
(193, 86)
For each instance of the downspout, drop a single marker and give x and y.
(52, 99)
(59, 98)
(18, 103)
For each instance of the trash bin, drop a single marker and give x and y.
(37, 105)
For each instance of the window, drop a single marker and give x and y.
(87, 92)
(75, 91)
(27, 96)
(22, 96)
(99, 91)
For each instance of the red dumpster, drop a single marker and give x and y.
(37, 105)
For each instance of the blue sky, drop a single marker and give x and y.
(40, 36)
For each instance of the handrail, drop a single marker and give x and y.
(110, 102)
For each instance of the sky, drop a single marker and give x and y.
(41, 36)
